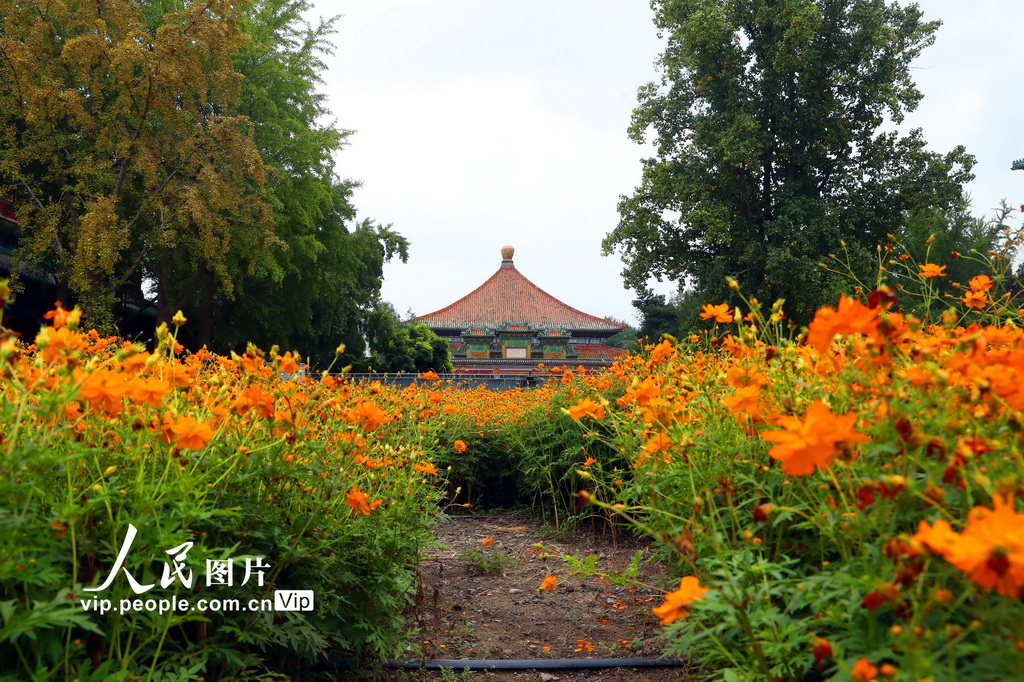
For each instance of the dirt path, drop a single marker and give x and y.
(482, 602)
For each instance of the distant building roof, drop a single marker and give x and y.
(508, 296)
(598, 352)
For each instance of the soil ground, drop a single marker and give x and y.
(482, 602)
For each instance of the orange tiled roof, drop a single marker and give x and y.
(599, 352)
(508, 296)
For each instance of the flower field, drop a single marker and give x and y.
(841, 506)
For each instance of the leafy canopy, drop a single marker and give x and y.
(180, 155)
(769, 124)
(117, 139)
(320, 283)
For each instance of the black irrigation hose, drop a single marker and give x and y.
(517, 664)
(480, 517)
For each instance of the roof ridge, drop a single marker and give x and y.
(509, 272)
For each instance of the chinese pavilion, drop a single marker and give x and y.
(508, 324)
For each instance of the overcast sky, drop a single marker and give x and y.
(481, 123)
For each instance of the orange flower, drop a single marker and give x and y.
(369, 415)
(548, 584)
(642, 392)
(990, 550)
(720, 313)
(460, 446)
(662, 352)
(430, 376)
(739, 376)
(931, 270)
(425, 468)
(254, 397)
(487, 542)
(586, 407)
(980, 283)
(677, 603)
(104, 389)
(850, 317)
(357, 499)
(63, 317)
(53, 343)
(975, 299)
(590, 460)
(803, 445)
(288, 363)
(659, 443)
(938, 538)
(151, 391)
(864, 671)
(745, 401)
(190, 434)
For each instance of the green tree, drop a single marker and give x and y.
(768, 125)
(430, 351)
(402, 348)
(657, 316)
(625, 339)
(117, 142)
(323, 276)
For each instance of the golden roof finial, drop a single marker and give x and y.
(507, 252)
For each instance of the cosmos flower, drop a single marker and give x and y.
(980, 283)
(586, 407)
(804, 445)
(850, 317)
(359, 501)
(677, 603)
(720, 313)
(975, 299)
(190, 434)
(932, 270)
